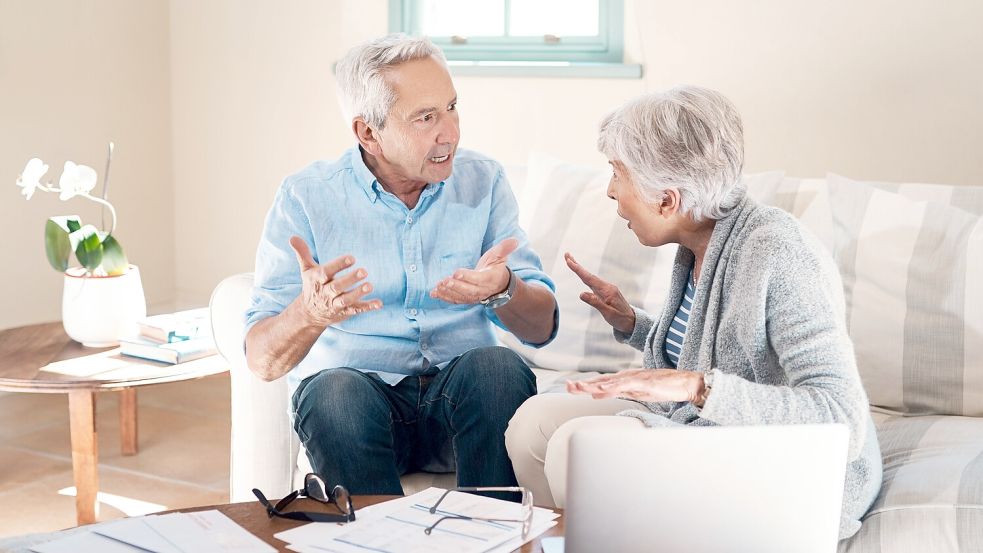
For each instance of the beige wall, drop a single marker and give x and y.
(240, 92)
(73, 76)
(881, 89)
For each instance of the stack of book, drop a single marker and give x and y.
(172, 337)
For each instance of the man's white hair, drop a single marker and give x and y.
(363, 90)
(689, 138)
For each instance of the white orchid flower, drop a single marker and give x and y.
(30, 179)
(75, 180)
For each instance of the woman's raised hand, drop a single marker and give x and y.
(605, 297)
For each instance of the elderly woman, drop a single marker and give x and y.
(753, 331)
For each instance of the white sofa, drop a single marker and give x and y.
(912, 263)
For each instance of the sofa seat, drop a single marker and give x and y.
(932, 495)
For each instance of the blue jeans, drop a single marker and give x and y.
(363, 433)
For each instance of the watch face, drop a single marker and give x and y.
(498, 300)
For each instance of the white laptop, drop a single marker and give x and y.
(758, 489)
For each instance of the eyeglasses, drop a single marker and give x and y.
(527, 509)
(314, 488)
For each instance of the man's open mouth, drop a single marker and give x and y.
(440, 159)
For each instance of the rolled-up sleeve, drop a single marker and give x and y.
(524, 262)
(277, 280)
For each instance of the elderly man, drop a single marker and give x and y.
(379, 277)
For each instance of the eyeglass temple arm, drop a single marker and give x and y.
(475, 489)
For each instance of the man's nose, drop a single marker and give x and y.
(449, 131)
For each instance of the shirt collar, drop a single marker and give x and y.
(367, 181)
(363, 176)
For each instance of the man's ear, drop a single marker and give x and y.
(367, 136)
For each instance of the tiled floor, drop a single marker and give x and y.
(183, 457)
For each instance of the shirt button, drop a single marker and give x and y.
(412, 312)
(423, 345)
(409, 220)
(413, 268)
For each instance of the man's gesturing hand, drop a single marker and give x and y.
(328, 298)
(488, 278)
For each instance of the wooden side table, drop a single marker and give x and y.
(43, 359)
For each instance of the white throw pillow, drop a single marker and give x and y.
(912, 273)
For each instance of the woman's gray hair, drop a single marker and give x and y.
(689, 138)
(363, 90)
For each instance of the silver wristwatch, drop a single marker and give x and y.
(498, 300)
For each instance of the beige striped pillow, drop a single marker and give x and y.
(912, 273)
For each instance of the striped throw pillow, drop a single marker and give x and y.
(912, 273)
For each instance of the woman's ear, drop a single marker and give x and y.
(367, 137)
(671, 202)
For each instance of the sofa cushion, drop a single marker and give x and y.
(911, 275)
(932, 495)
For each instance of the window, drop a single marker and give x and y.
(530, 34)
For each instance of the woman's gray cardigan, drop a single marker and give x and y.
(769, 318)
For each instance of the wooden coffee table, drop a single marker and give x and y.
(252, 516)
(42, 359)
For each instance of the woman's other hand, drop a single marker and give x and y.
(605, 297)
(655, 385)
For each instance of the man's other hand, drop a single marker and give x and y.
(489, 277)
(328, 297)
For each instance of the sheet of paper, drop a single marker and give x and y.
(552, 545)
(397, 526)
(206, 532)
(88, 542)
(136, 531)
(323, 532)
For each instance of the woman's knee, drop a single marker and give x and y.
(529, 429)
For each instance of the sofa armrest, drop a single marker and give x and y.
(263, 444)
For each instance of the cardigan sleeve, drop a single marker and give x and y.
(639, 335)
(806, 327)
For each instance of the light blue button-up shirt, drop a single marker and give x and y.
(340, 208)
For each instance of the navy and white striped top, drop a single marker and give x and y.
(677, 331)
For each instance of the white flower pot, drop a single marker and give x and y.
(99, 310)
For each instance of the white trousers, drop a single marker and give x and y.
(538, 438)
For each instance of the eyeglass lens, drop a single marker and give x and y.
(314, 487)
(341, 499)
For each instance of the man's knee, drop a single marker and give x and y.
(497, 368)
(342, 400)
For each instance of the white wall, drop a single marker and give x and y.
(73, 76)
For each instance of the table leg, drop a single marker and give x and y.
(85, 456)
(128, 421)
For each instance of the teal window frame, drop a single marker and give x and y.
(607, 47)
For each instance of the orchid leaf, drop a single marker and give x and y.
(89, 248)
(113, 259)
(73, 224)
(57, 246)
